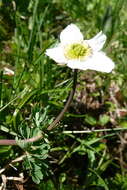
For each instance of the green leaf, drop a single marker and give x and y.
(123, 124)
(90, 120)
(4, 149)
(104, 119)
(35, 179)
(37, 174)
(100, 180)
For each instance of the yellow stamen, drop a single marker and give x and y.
(77, 51)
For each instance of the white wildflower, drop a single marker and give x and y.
(8, 71)
(78, 53)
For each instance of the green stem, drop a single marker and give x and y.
(94, 131)
(1, 80)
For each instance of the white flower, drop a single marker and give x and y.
(8, 71)
(77, 53)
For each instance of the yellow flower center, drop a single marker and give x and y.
(77, 51)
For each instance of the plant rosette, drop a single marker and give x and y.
(77, 53)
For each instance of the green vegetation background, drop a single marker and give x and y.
(37, 92)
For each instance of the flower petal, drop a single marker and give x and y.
(56, 54)
(8, 71)
(99, 62)
(97, 42)
(76, 64)
(71, 34)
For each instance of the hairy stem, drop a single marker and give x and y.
(53, 124)
(59, 117)
(14, 142)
